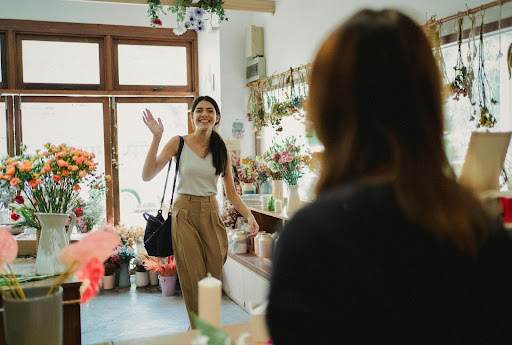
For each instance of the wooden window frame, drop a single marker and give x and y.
(20, 84)
(3, 59)
(170, 88)
(107, 133)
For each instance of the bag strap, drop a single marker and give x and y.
(176, 173)
(180, 148)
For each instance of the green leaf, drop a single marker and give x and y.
(217, 336)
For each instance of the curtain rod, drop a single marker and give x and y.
(467, 12)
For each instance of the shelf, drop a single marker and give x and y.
(282, 215)
(260, 266)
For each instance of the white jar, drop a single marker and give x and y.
(239, 243)
(278, 206)
(265, 246)
(257, 242)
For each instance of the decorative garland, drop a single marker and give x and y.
(273, 98)
(187, 17)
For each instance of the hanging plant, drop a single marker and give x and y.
(463, 81)
(188, 17)
(432, 30)
(484, 112)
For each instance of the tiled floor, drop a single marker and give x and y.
(130, 313)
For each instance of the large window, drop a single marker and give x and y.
(137, 196)
(458, 127)
(86, 86)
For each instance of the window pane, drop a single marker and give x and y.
(78, 125)
(134, 139)
(3, 130)
(458, 127)
(60, 62)
(152, 65)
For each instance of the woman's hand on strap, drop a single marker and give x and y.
(156, 127)
(253, 225)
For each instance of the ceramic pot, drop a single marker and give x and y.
(141, 279)
(108, 282)
(277, 189)
(293, 199)
(248, 188)
(153, 278)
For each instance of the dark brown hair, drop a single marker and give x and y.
(375, 102)
(217, 146)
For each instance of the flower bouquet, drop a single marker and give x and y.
(123, 254)
(286, 159)
(130, 235)
(49, 181)
(248, 173)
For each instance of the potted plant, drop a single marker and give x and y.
(108, 278)
(141, 274)
(187, 16)
(166, 270)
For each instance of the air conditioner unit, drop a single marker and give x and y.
(255, 69)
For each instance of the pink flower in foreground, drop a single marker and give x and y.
(91, 276)
(99, 244)
(8, 247)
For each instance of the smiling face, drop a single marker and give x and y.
(204, 116)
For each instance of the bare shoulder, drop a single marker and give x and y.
(171, 148)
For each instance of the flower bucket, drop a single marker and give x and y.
(141, 279)
(168, 285)
(35, 320)
(108, 282)
(124, 275)
(153, 278)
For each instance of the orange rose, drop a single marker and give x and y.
(42, 171)
(56, 178)
(76, 188)
(9, 160)
(55, 149)
(50, 161)
(47, 153)
(14, 181)
(62, 163)
(93, 155)
(79, 160)
(65, 173)
(1, 175)
(73, 167)
(82, 173)
(11, 169)
(47, 168)
(32, 183)
(38, 181)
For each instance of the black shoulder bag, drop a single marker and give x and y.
(157, 236)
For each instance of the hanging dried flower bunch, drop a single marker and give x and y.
(484, 113)
(463, 81)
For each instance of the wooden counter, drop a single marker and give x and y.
(70, 300)
(186, 338)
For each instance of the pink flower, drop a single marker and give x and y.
(91, 275)
(290, 147)
(8, 247)
(290, 157)
(275, 157)
(98, 244)
(19, 199)
(285, 169)
(283, 159)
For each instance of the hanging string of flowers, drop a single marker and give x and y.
(273, 98)
(463, 81)
(484, 96)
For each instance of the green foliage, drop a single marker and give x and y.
(93, 208)
(216, 335)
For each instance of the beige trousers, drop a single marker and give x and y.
(200, 243)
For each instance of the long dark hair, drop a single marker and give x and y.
(217, 146)
(375, 102)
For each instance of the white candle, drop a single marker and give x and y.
(210, 295)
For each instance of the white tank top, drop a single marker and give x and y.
(196, 175)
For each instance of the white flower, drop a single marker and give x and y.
(179, 31)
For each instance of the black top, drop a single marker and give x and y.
(350, 269)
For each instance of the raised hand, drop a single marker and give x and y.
(156, 127)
